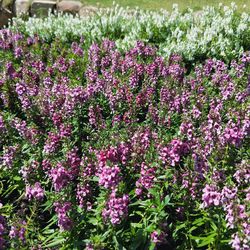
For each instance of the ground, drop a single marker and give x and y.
(167, 4)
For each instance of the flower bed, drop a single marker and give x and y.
(102, 149)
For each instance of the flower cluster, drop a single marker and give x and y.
(210, 196)
(35, 192)
(18, 231)
(8, 156)
(60, 177)
(83, 193)
(64, 221)
(172, 153)
(116, 208)
(109, 177)
(146, 180)
(157, 237)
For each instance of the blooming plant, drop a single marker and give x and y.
(213, 32)
(108, 149)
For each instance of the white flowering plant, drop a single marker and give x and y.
(213, 32)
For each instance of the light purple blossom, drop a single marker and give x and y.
(146, 180)
(157, 237)
(60, 177)
(36, 191)
(83, 193)
(211, 196)
(62, 210)
(116, 208)
(18, 231)
(8, 157)
(109, 177)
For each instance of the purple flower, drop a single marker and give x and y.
(8, 157)
(196, 112)
(31, 134)
(176, 71)
(236, 242)
(95, 116)
(30, 41)
(60, 177)
(239, 243)
(232, 134)
(29, 172)
(173, 152)
(73, 162)
(11, 72)
(20, 89)
(76, 49)
(242, 175)
(18, 231)
(146, 179)
(211, 196)
(3, 231)
(228, 194)
(157, 237)
(109, 177)
(65, 130)
(2, 126)
(83, 192)
(46, 166)
(94, 55)
(89, 246)
(116, 208)
(64, 221)
(35, 192)
(57, 119)
(227, 91)
(18, 52)
(52, 143)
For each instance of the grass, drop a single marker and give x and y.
(167, 4)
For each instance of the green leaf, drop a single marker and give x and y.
(166, 200)
(93, 221)
(138, 240)
(153, 192)
(152, 246)
(208, 240)
(199, 221)
(56, 242)
(136, 225)
(49, 231)
(17, 178)
(95, 178)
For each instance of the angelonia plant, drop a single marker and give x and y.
(220, 32)
(103, 149)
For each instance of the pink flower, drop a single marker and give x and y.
(60, 177)
(210, 196)
(64, 221)
(157, 237)
(116, 208)
(35, 191)
(146, 179)
(109, 177)
(18, 231)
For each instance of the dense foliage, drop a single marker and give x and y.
(108, 149)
